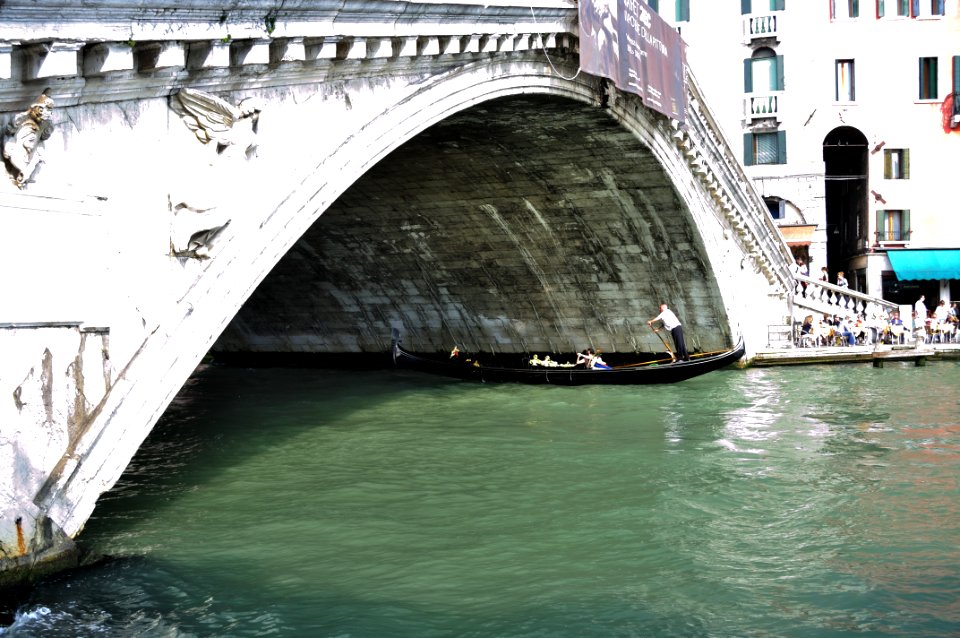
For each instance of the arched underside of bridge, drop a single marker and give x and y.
(526, 223)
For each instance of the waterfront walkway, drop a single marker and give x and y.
(878, 354)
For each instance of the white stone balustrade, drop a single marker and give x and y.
(760, 26)
(762, 105)
(823, 297)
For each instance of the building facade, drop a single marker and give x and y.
(847, 117)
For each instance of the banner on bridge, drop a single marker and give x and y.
(626, 41)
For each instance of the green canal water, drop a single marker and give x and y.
(797, 502)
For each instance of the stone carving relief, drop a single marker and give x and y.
(194, 231)
(232, 131)
(214, 120)
(23, 140)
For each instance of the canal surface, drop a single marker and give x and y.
(796, 502)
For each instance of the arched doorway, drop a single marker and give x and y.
(845, 172)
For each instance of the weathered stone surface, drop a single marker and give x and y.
(540, 217)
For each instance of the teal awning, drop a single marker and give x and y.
(925, 264)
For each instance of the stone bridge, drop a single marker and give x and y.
(304, 176)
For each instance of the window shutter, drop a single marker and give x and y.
(748, 75)
(879, 8)
(905, 225)
(905, 163)
(683, 10)
(914, 8)
(881, 236)
(956, 76)
(854, 7)
(887, 165)
(777, 79)
(654, 4)
(748, 149)
(778, 5)
(745, 8)
(781, 147)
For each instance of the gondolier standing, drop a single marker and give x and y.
(671, 323)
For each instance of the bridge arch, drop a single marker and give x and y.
(725, 243)
(521, 223)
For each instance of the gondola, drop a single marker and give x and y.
(650, 370)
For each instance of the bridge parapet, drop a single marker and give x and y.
(58, 44)
(711, 159)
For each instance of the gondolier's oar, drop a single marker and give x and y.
(672, 356)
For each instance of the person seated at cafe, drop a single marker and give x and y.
(807, 337)
(845, 332)
(896, 327)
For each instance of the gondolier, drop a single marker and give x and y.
(671, 323)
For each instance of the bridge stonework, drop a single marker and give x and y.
(441, 169)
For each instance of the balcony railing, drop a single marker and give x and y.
(760, 26)
(893, 235)
(762, 105)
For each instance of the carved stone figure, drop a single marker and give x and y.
(23, 140)
(194, 230)
(199, 244)
(213, 119)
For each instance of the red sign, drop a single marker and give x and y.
(626, 41)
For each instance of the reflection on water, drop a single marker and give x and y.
(814, 501)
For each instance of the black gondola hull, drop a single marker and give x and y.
(621, 375)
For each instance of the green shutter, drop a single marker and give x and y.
(654, 4)
(905, 163)
(905, 225)
(778, 5)
(777, 79)
(922, 92)
(745, 8)
(928, 78)
(855, 9)
(880, 231)
(748, 149)
(683, 10)
(781, 147)
(748, 75)
(879, 8)
(887, 165)
(956, 75)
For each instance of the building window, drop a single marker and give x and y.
(840, 9)
(844, 81)
(903, 8)
(936, 7)
(746, 6)
(764, 148)
(776, 207)
(896, 163)
(928, 78)
(893, 225)
(763, 72)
